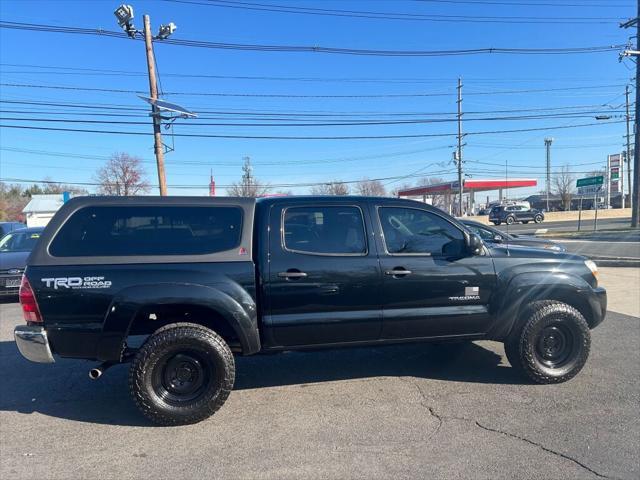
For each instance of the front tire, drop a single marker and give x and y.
(182, 374)
(538, 219)
(510, 220)
(551, 345)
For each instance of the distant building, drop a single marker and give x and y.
(41, 209)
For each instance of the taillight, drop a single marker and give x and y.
(30, 308)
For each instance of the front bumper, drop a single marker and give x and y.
(598, 303)
(33, 343)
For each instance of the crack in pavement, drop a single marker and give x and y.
(542, 447)
(442, 418)
(423, 402)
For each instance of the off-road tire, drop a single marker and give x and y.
(510, 220)
(538, 219)
(151, 363)
(524, 345)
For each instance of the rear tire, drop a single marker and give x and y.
(182, 374)
(525, 221)
(497, 223)
(551, 345)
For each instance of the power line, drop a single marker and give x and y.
(305, 162)
(289, 95)
(65, 70)
(301, 113)
(319, 49)
(394, 15)
(531, 4)
(294, 123)
(285, 137)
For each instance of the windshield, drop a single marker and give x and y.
(19, 241)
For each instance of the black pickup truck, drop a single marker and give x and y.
(206, 278)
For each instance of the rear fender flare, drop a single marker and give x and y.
(239, 312)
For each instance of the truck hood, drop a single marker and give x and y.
(533, 243)
(526, 251)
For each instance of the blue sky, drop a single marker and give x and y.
(27, 58)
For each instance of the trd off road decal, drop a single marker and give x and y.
(76, 282)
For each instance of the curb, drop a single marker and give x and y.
(585, 234)
(615, 261)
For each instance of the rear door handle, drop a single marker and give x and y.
(292, 274)
(398, 272)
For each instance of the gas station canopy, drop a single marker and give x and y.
(477, 185)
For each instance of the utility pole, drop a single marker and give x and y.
(547, 144)
(124, 14)
(460, 175)
(635, 196)
(158, 146)
(628, 150)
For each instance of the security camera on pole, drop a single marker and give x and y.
(124, 14)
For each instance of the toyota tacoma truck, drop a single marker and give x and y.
(204, 279)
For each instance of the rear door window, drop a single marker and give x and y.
(148, 230)
(326, 230)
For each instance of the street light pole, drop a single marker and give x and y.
(628, 150)
(460, 175)
(547, 144)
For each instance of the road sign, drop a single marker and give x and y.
(585, 182)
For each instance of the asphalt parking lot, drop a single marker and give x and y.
(417, 411)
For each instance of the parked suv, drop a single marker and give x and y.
(206, 278)
(511, 214)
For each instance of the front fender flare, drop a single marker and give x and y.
(528, 287)
(239, 312)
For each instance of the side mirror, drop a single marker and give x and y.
(474, 244)
(497, 238)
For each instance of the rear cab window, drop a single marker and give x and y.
(156, 230)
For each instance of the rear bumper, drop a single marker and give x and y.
(33, 343)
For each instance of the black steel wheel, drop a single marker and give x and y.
(182, 374)
(552, 344)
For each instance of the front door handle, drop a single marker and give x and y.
(398, 272)
(292, 274)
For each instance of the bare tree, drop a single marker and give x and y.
(335, 187)
(122, 175)
(439, 200)
(48, 186)
(396, 191)
(249, 186)
(564, 182)
(12, 201)
(371, 188)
